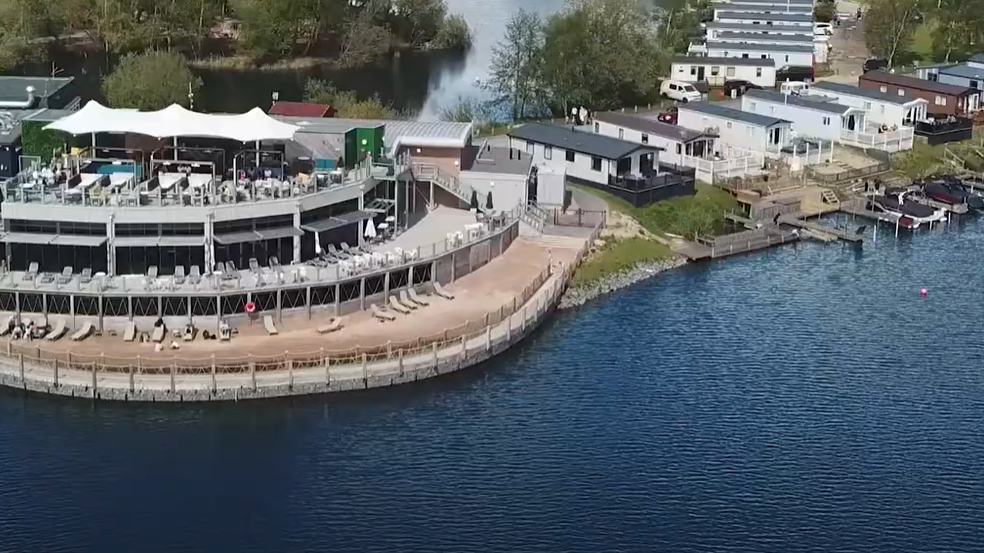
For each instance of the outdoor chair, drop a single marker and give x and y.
(196, 275)
(130, 334)
(32, 271)
(274, 262)
(381, 315)
(333, 325)
(179, 275)
(47, 278)
(60, 329)
(405, 300)
(231, 268)
(86, 276)
(158, 335)
(340, 255)
(397, 306)
(440, 291)
(83, 333)
(349, 249)
(65, 277)
(254, 265)
(420, 299)
(269, 326)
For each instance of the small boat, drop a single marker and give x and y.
(952, 191)
(916, 211)
(880, 205)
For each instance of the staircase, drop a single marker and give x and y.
(830, 197)
(562, 242)
(432, 173)
(534, 216)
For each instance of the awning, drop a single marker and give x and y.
(135, 241)
(79, 240)
(353, 217)
(181, 241)
(280, 232)
(323, 225)
(28, 238)
(236, 237)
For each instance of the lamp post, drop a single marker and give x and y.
(275, 96)
(191, 98)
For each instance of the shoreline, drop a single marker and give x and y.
(577, 296)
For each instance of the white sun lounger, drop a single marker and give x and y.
(440, 291)
(130, 334)
(418, 298)
(82, 333)
(268, 325)
(381, 314)
(397, 306)
(158, 335)
(5, 329)
(334, 324)
(405, 300)
(60, 329)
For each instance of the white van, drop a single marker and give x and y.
(821, 29)
(679, 91)
(799, 88)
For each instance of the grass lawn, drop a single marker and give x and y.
(617, 257)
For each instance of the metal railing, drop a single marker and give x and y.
(889, 141)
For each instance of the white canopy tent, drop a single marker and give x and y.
(174, 121)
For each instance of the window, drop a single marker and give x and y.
(715, 70)
(680, 69)
(933, 77)
(621, 134)
(679, 149)
(883, 89)
(595, 163)
(940, 101)
(826, 120)
(743, 55)
(596, 126)
(730, 72)
(974, 84)
(547, 152)
(901, 92)
(570, 156)
(763, 56)
(529, 148)
(645, 138)
(758, 71)
(787, 58)
(867, 105)
(693, 70)
(728, 124)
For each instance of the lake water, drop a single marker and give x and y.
(801, 399)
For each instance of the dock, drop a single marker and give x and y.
(841, 233)
(748, 241)
(857, 207)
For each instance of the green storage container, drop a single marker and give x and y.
(363, 141)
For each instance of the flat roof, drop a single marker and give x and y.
(762, 29)
(852, 90)
(965, 71)
(725, 112)
(754, 38)
(299, 109)
(826, 106)
(977, 58)
(750, 47)
(13, 89)
(484, 159)
(762, 8)
(905, 81)
(794, 17)
(794, 2)
(707, 60)
(577, 141)
(648, 126)
(424, 134)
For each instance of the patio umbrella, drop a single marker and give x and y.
(370, 229)
(488, 201)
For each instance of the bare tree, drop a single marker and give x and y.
(514, 73)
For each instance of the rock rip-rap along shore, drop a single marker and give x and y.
(576, 296)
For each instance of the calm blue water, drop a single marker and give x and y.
(805, 399)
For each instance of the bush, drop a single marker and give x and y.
(454, 34)
(825, 12)
(149, 81)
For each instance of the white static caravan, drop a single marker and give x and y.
(774, 8)
(883, 108)
(713, 28)
(717, 71)
(813, 118)
(737, 128)
(583, 155)
(765, 19)
(784, 55)
(682, 146)
(821, 46)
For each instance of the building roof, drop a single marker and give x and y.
(977, 58)
(750, 47)
(300, 109)
(915, 83)
(648, 126)
(851, 90)
(825, 106)
(762, 29)
(421, 134)
(775, 7)
(793, 2)
(762, 39)
(582, 142)
(174, 120)
(705, 60)
(485, 159)
(14, 89)
(718, 110)
(963, 70)
(791, 17)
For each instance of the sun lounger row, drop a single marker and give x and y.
(57, 332)
(406, 302)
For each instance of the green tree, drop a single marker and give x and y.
(26, 24)
(416, 22)
(959, 29)
(678, 22)
(889, 25)
(515, 72)
(464, 110)
(825, 12)
(150, 80)
(274, 27)
(603, 54)
(346, 102)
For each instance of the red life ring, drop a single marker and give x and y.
(250, 307)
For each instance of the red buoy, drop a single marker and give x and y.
(923, 292)
(250, 307)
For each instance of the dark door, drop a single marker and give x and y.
(700, 73)
(531, 184)
(850, 123)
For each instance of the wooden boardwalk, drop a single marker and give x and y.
(846, 234)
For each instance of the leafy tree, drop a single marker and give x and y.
(825, 12)
(346, 102)
(464, 110)
(678, 21)
(150, 80)
(274, 26)
(889, 25)
(515, 72)
(416, 22)
(453, 35)
(959, 29)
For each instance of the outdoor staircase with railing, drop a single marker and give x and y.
(830, 197)
(534, 216)
(430, 172)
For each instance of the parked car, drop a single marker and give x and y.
(823, 29)
(679, 91)
(874, 64)
(736, 88)
(795, 73)
(668, 116)
(798, 88)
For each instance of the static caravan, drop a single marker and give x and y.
(737, 128)
(740, 7)
(821, 46)
(814, 118)
(944, 99)
(673, 141)
(717, 71)
(784, 55)
(769, 2)
(883, 109)
(711, 29)
(765, 19)
(969, 75)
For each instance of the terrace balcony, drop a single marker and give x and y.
(890, 140)
(945, 130)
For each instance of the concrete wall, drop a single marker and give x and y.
(448, 159)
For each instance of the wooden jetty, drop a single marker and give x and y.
(748, 241)
(857, 207)
(848, 235)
